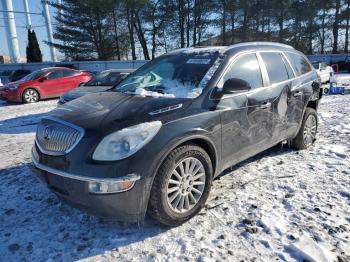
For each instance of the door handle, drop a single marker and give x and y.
(265, 105)
(298, 93)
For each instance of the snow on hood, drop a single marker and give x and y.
(144, 92)
(173, 89)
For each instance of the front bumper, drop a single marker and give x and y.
(10, 95)
(74, 190)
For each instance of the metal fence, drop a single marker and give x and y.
(81, 65)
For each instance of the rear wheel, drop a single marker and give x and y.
(30, 96)
(182, 185)
(326, 90)
(308, 130)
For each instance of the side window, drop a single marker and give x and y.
(275, 67)
(55, 74)
(288, 67)
(68, 73)
(247, 68)
(300, 64)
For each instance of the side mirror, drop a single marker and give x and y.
(235, 85)
(42, 79)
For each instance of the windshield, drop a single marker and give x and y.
(34, 75)
(181, 75)
(106, 78)
(315, 65)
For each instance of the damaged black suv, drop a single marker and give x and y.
(155, 143)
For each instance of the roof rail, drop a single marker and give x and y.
(261, 43)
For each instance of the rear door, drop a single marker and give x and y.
(300, 91)
(245, 117)
(70, 80)
(279, 85)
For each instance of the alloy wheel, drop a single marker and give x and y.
(310, 130)
(186, 185)
(31, 96)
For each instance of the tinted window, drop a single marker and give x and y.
(68, 73)
(34, 75)
(316, 65)
(300, 64)
(106, 78)
(275, 67)
(247, 68)
(288, 67)
(56, 74)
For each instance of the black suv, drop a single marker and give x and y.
(156, 143)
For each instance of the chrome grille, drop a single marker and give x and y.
(57, 137)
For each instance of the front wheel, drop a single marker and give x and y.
(181, 186)
(308, 130)
(30, 96)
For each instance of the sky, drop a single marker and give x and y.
(38, 23)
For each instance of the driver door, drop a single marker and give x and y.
(245, 117)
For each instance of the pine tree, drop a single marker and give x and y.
(33, 49)
(83, 30)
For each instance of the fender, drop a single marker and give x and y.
(200, 134)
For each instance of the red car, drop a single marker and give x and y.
(43, 83)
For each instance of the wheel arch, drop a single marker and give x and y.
(313, 104)
(199, 140)
(30, 87)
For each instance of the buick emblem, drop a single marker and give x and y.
(48, 132)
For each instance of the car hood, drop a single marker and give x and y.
(84, 90)
(16, 83)
(109, 111)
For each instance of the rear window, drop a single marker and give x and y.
(275, 67)
(300, 64)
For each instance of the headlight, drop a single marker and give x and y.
(12, 87)
(124, 143)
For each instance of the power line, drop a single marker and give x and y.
(19, 26)
(20, 12)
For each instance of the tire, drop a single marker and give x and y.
(30, 96)
(326, 90)
(308, 130)
(161, 206)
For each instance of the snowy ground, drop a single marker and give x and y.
(281, 205)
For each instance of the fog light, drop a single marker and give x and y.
(113, 186)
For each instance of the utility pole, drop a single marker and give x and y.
(28, 18)
(10, 27)
(49, 29)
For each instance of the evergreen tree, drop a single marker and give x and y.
(33, 50)
(84, 30)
